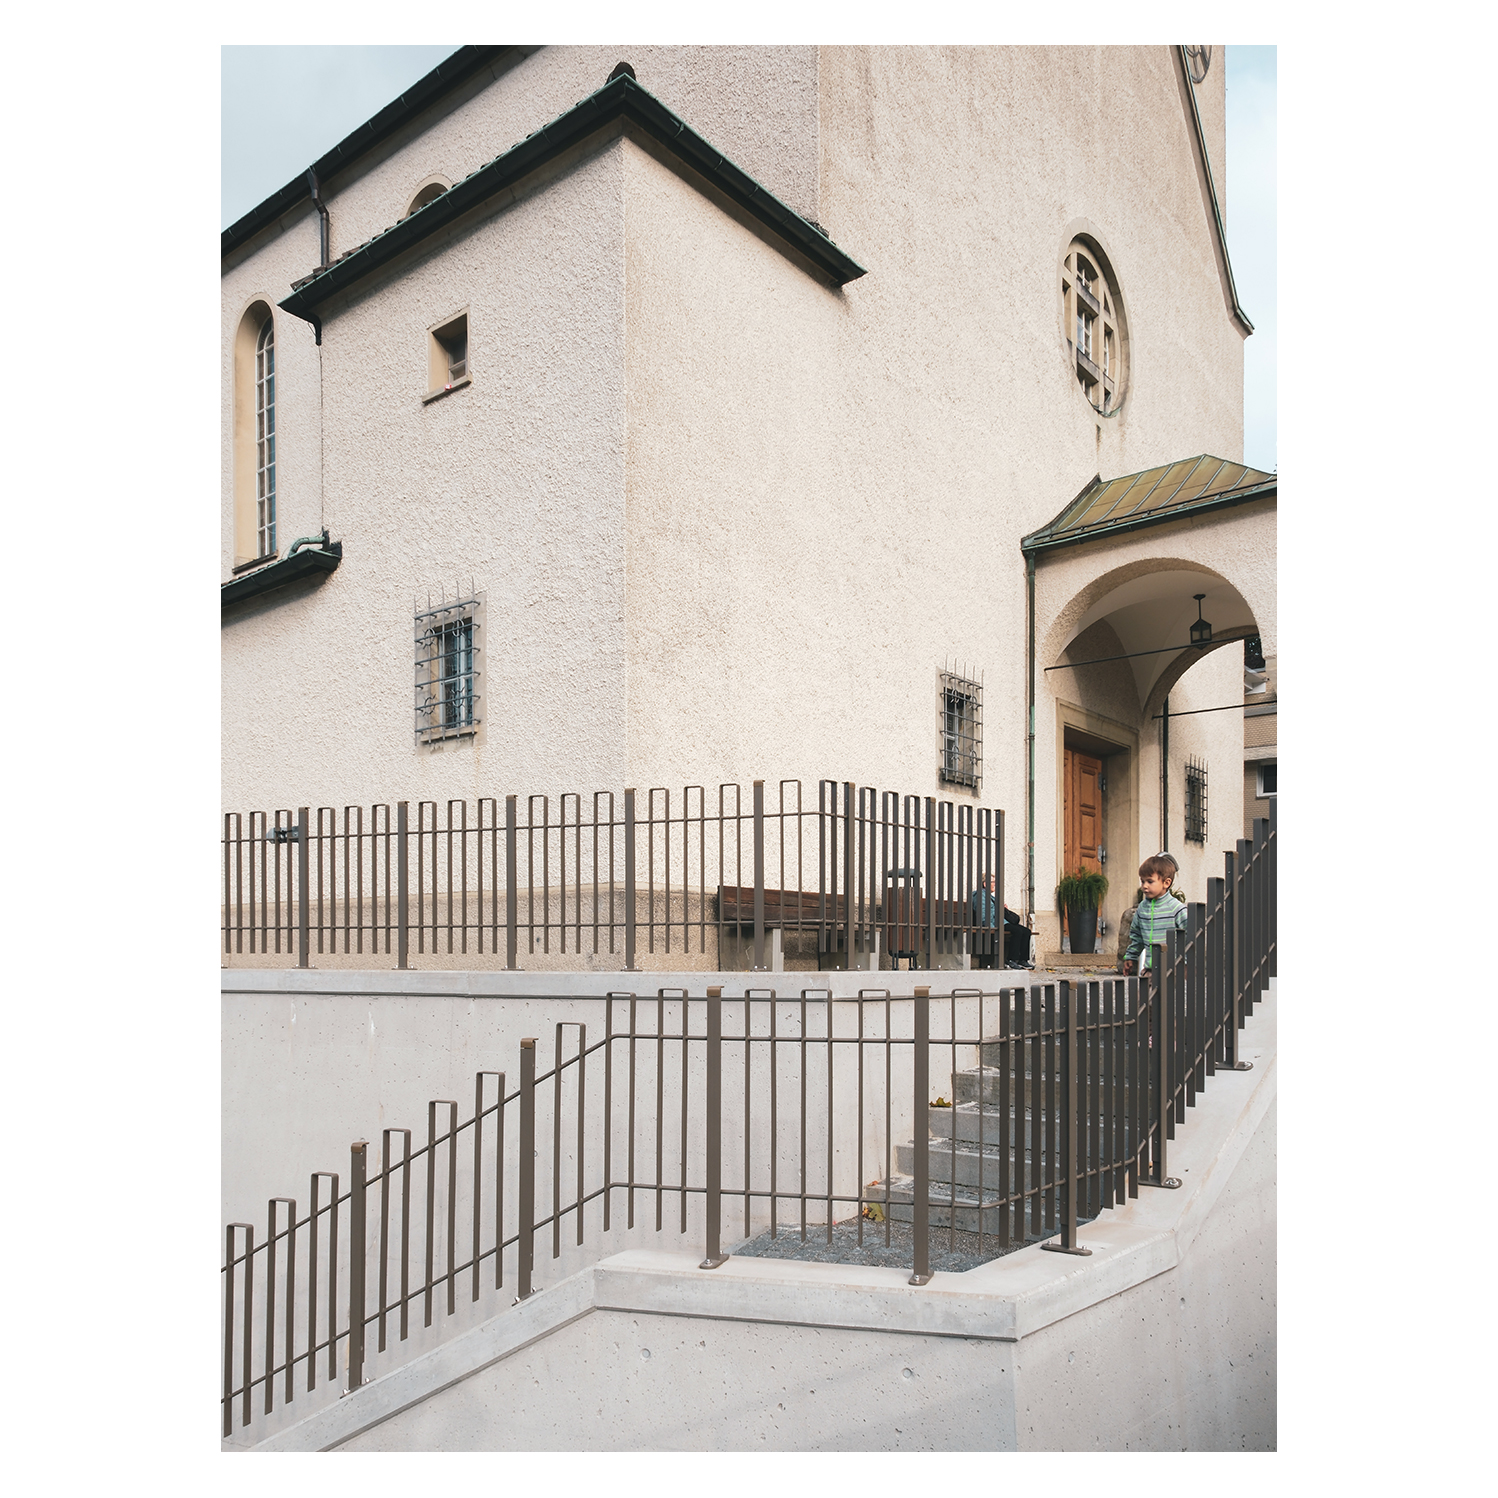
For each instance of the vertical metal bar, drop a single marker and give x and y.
(402, 885)
(759, 880)
(312, 1215)
(921, 1089)
(291, 1300)
(629, 880)
(714, 1255)
(229, 1325)
(249, 1318)
(478, 1163)
(1069, 1122)
(1160, 1027)
(303, 838)
(270, 1304)
(358, 1160)
(1005, 1051)
(526, 1206)
(511, 894)
(452, 1205)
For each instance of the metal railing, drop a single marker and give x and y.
(754, 1113)
(865, 872)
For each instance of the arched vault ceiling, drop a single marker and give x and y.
(1158, 609)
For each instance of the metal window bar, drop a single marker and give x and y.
(1196, 800)
(447, 669)
(961, 727)
(265, 440)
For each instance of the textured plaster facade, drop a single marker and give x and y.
(729, 521)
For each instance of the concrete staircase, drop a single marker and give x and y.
(964, 1149)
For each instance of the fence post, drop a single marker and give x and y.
(402, 886)
(1160, 1066)
(1228, 1003)
(525, 1244)
(920, 1213)
(303, 941)
(930, 881)
(1271, 892)
(759, 874)
(1068, 1105)
(358, 1161)
(511, 897)
(629, 881)
(714, 1255)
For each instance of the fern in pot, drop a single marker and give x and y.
(1081, 896)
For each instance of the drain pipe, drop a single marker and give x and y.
(1165, 775)
(325, 237)
(1030, 740)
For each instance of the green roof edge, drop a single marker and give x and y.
(621, 97)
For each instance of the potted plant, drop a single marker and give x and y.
(1080, 895)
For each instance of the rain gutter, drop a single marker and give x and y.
(1043, 540)
(623, 102)
(1205, 162)
(448, 75)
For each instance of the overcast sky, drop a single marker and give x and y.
(283, 107)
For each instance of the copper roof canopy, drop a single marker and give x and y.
(1191, 486)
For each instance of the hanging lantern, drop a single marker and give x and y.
(1201, 631)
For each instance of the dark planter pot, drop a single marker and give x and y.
(1082, 924)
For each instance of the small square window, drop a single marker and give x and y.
(447, 356)
(960, 706)
(1269, 779)
(447, 669)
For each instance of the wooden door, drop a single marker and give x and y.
(1082, 811)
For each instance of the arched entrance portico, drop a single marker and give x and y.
(1111, 612)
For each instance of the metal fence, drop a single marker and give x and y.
(710, 1117)
(866, 876)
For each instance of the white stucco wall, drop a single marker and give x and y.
(731, 522)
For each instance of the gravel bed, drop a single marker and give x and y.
(900, 1254)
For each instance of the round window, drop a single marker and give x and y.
(1092, 324)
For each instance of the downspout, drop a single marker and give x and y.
(1165, 775)
(325, 236)
(1200, 135)
(1030, 742)
(325, 250)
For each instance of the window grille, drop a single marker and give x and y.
(447, 669)
(265, 440)
(961, 727)
(1196, 801)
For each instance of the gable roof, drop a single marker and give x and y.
(443, 79)
(1191, 486)
(623, 100)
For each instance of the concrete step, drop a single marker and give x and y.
(967, 1120)
(968, 1217)
(968, 1161)
(985, 1084)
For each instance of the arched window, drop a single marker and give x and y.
(265, 440)
(1093, 323)
(255, 491)
(428, 194)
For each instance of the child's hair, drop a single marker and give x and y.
(1160, 864)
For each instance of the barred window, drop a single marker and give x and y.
(960, 706)
(265, 440)
(1196, 801)
(447, 669)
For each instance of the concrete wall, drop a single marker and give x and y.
(1163, 1339)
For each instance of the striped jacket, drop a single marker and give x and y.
(1151, 921)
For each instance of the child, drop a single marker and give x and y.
(1157, 911)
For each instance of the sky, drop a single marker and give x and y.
(283, 107)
